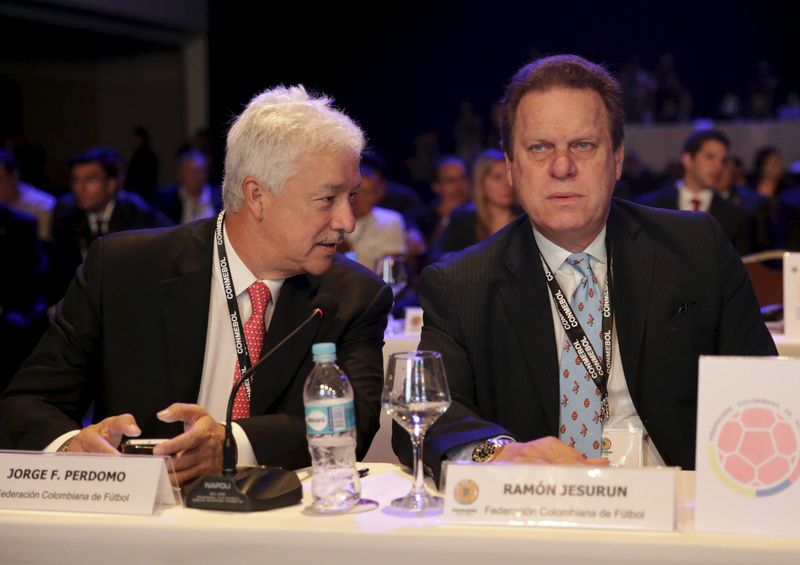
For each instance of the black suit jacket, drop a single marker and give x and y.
(22, 305)
(130, 336)
(735, 223)
(679, 291)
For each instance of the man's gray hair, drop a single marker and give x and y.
(276, 129)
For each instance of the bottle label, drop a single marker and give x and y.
(334, 418)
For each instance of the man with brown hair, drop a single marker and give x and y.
(551, 353)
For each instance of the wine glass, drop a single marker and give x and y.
(392, 269)
(415, 394)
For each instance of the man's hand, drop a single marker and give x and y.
(544, 450)
(198, 450)
(104, 436)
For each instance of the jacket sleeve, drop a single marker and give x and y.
(462, 423)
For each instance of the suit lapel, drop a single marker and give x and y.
(527, 304)
(632, 255)
(275, 374)
(185, 306)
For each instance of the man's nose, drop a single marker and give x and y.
(343, 218)
(562, 165)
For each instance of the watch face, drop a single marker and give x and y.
(483, 451)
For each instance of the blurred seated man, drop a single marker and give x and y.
(703, 157)
(21, 196)
(378, 231)
(191, 198)
(149, 332)
(96, 207)
(451, 188)
(641, 292)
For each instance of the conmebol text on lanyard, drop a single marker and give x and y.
(600, 372)
(233, 307)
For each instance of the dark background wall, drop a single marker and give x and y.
(401, 68)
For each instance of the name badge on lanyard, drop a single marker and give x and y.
(233, 306)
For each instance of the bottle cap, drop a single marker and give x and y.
(323, 349)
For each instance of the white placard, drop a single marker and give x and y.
(413, 321)
(560, 496)
(126, 484)
(748, 446)
(791, 296)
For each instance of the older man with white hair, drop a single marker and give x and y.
(145, 331)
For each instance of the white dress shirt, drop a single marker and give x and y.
(219, 359)
(686, 195)
(380, 232)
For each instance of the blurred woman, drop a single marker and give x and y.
(494, 205)
(769, 180)
(769, 174)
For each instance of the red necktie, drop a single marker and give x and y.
(696, 204)
(254, 331)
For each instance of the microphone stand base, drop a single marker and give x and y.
(249, 490)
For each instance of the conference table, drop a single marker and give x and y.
(177, 535)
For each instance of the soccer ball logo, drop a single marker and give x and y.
(757, 451)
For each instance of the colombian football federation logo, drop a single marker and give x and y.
(755, 449)
(466, 491)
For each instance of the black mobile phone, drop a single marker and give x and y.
(139, 446)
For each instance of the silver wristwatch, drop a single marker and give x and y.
(486, 449)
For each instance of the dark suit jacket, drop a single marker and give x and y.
(131, 333)
(22, 305)
(169, 202)
(735, 223)
(679, 291)
(460, 232)
(757, 208)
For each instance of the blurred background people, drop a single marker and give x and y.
(21, 196)
(703, 158)
(142, 175)
(191, 197)
(95, 207)
(378, 231)
(493, 205)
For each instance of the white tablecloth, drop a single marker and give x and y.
(288, 536)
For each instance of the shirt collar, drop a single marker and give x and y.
(241, 276)
(555, 256)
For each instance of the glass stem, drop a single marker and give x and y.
(419, 475)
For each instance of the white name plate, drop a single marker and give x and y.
(748, 446)
(560, 496)
(127, 484)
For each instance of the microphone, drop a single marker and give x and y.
(260, 487)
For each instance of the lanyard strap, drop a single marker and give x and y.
(599, 372)
(233, 306)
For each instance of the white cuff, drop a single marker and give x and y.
(53, 446)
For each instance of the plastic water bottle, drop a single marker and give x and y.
(331, 433)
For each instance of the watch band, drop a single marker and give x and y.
(486, 449)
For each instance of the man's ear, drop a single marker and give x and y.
(257, 197)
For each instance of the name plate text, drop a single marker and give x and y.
(560, 496)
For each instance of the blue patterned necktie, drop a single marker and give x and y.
(579, 415)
